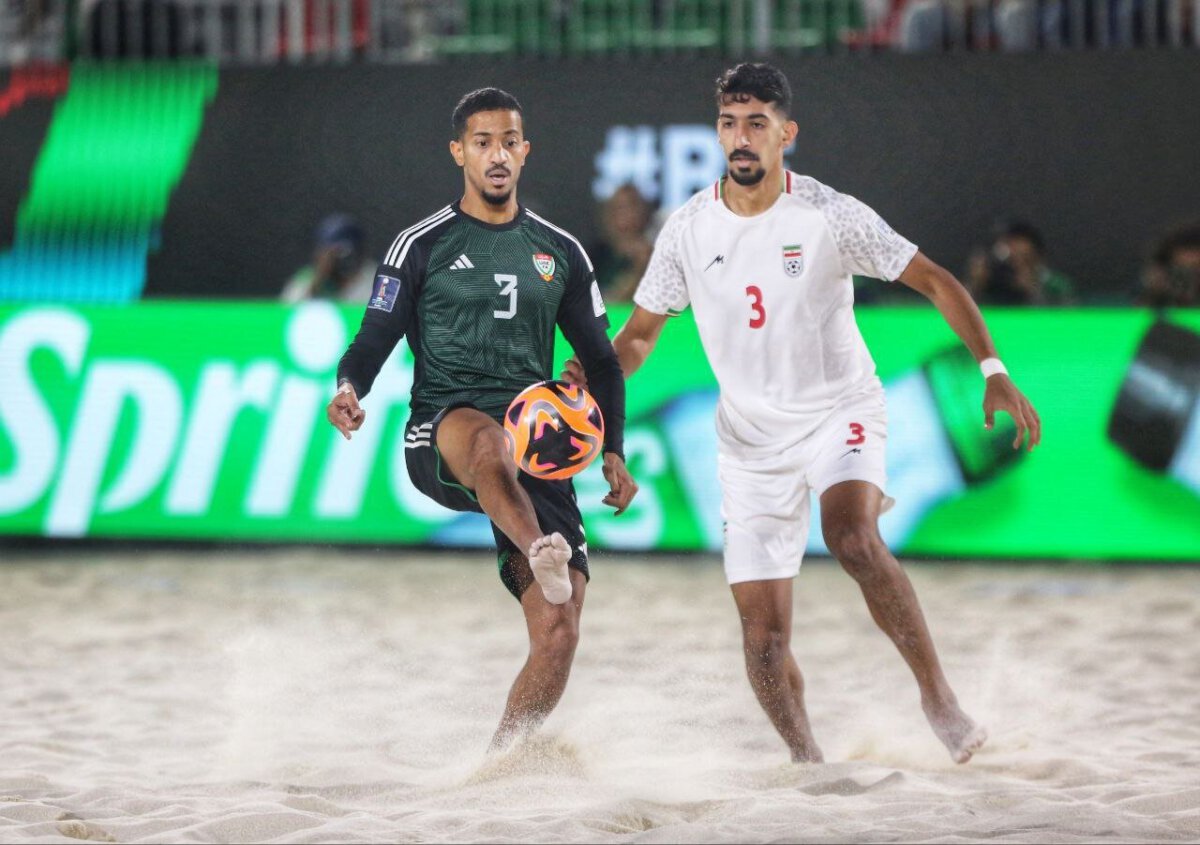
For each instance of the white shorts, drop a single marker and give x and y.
(765, 501)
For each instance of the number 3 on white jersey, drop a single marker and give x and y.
(508, 287)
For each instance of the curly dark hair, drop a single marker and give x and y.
(482, 99)
(755, 79)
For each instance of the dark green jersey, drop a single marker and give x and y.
(479, 303)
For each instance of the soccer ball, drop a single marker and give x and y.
(554, 429)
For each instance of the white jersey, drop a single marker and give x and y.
(773, 297)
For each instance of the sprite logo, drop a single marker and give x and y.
(84, 435)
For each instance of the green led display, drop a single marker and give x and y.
(116, 147)
(206, 420)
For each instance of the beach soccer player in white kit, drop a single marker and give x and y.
(765, 258)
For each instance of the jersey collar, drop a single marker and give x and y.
(785, 186)
(483, 224)
(718, 196)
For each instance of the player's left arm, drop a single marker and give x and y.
(950, 298)
(584, 324)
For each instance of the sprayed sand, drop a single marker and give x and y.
(321, 696)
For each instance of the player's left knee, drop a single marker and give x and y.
(858, 547)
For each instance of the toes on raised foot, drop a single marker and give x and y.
(971, 743)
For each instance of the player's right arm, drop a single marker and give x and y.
(387, 317)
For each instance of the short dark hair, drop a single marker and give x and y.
(482, 99)
(755, 79)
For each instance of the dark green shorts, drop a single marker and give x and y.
(553, 501)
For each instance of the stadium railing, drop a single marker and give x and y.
(338, 31)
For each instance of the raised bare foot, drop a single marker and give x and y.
(957, 731)
(548, 558)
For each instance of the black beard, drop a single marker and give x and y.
(747, 179)
(496, 199)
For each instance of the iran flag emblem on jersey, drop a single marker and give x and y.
(545, 265)
(793, 260)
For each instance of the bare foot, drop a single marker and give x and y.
(548, 558)
(957, 731)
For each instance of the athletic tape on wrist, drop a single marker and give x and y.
(992, 366)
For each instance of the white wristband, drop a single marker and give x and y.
(346, 387)
(992, 366)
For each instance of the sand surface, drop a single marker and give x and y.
(326, 696)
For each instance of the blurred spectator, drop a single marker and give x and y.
(31, 31)
(1017, 23)
(340, 267)
(420, 30)
(623, 251)
(1172, 277)
(922, 27)
(1013, 270)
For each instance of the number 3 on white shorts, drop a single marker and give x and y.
(857, 435)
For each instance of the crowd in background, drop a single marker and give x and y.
(427, 30)
(1012, 266)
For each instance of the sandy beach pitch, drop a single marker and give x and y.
(324, 696)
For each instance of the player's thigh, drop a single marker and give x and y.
(557, 510)
(468, 440)
(765, 510)
(428, 471)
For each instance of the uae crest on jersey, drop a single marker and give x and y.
(544, 264)
(793, 260)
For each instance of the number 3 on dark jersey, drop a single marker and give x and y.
(508, 287)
